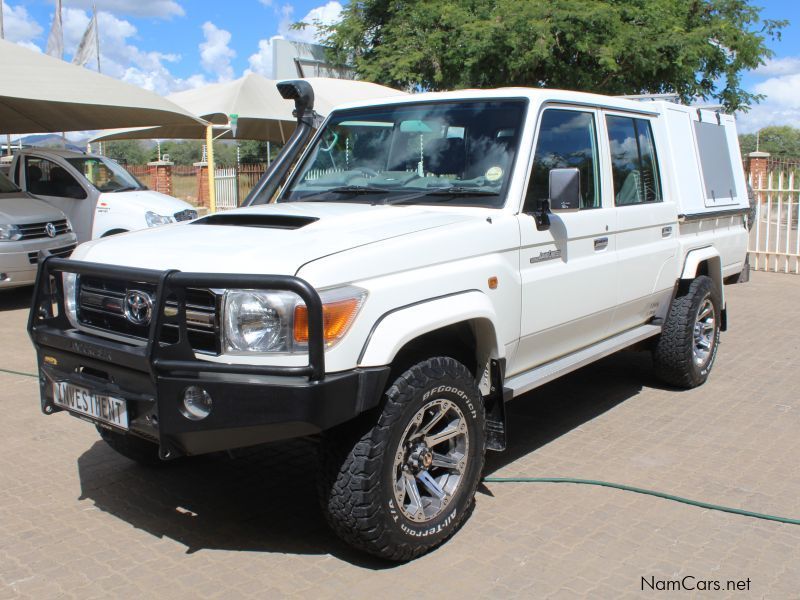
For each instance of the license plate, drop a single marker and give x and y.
(106, 409)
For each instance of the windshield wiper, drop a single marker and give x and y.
(126, 188)
(458, 190)
(354, 190)
(445, 193)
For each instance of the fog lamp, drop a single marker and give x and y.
(196, 403)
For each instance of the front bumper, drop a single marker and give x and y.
(251, 404)
(17, 259)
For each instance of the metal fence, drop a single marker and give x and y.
(227, 188)
(774, 241)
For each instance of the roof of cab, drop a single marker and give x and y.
(534, 94)
(62, 152)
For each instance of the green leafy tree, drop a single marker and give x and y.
(779, 140)
(131, 152)
(695, 48)
(182, 152)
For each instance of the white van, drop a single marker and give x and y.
(27, 226)
(97, 194)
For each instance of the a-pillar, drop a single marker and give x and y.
(161, 174)
(202, 183)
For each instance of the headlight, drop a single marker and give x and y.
(265, 321)
(154, 219)
(258, 321)
(9, 233)
(70, 281)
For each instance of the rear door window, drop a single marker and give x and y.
(633, 161)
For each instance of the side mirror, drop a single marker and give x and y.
(565, 190)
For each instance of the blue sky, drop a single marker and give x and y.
(169, 45)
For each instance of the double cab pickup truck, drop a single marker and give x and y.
(403, 270)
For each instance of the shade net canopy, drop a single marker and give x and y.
(263, 114)
(41, 94)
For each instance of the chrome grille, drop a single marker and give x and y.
(33, 231)
(64, 252)
(101, 305)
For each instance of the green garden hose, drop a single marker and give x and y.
(18, 373)
(608, 484)
(629, 488)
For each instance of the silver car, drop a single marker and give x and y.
(28, 225)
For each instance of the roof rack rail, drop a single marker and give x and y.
(675, 98)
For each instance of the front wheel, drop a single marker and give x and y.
(687, 346)
(408, 483)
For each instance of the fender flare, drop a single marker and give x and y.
(691, 265)
(398, 327)
(695, 257)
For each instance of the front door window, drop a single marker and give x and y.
(46, 178)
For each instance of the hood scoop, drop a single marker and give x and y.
(263, 221)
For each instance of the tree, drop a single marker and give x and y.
(780, 141)
(695, 48)
(130, 152)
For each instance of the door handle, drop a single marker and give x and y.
(666, 231)
(600, 244)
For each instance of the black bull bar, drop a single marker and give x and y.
(300, 399)
(48, 324)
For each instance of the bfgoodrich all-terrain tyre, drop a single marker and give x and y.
(132, 447)
(401, 486)
(686, 349)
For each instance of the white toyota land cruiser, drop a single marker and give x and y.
(398, 276)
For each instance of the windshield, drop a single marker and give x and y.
(6, 185)
(106, 175)
(456, 152)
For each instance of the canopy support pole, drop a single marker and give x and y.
(212, 189)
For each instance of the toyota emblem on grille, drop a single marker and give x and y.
(50, 230)
(138, 307)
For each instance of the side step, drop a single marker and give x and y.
(525, 382)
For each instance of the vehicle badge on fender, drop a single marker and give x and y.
(138, 307)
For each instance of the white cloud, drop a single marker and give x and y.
(20, 27)
(162, 9)
(215, 53)
(787, 65)
(780, 107)
(123, 60)
(261, 61)
(327, 14)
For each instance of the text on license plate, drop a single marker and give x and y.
(97, 406)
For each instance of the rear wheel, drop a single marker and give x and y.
(687, 347)
(403, 486)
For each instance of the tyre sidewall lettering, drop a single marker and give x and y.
(441, 525)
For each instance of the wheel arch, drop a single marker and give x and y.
(461, 325)
(114, 231)
(706, 261)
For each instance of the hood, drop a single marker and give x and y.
(147, 200)
(19, 208)
(274, 238)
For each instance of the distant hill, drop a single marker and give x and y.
(52, 140)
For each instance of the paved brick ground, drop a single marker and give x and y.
(79, 521)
